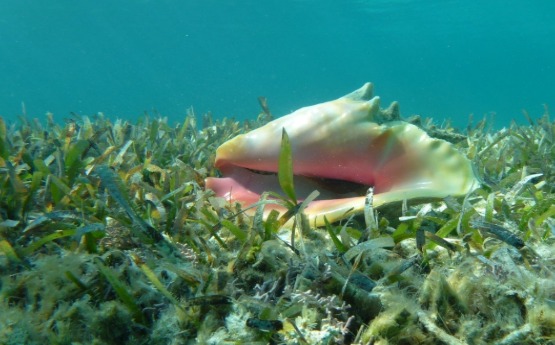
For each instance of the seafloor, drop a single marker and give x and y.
(107, 236)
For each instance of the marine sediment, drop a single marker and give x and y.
(109, 236)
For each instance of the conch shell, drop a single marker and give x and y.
(341, 150)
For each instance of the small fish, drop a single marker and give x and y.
(500, 232)
(210, 300)
(265, 325)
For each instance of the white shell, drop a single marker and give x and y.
(341, 140)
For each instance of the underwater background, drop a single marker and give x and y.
(112, 230)
(441, 59)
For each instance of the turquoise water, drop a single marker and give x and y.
(444, 59)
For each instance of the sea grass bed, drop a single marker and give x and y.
(108, 236)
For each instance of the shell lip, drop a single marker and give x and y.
(242, 184)
(337, 199)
